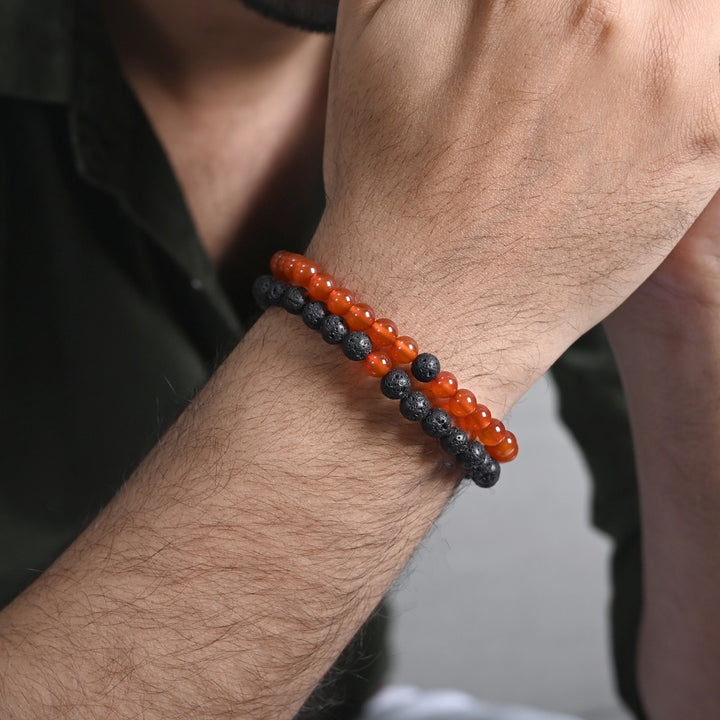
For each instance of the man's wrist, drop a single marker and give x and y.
(453, 307)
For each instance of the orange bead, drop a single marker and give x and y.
(462, 403)
(506, 450)
(477, 421)
(462, 423)
(360, 317)
(287, 264)
(303, 270)
(444, 385)
(276, 262)
(493, 434)
(382, 332)
(340, 301)
(404, 350)
(377, 364)
(320, 286)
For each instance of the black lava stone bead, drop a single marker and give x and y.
(276, 291)
(425, 367)
(474, 456)
(357, 345)
(455, 442)
(333, 329)
(415, 405)
(485, 475)
(295, 299)
(396, 384)
(260, 289)
(437, 423)
(313, 314)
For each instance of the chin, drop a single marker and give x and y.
(311, 15)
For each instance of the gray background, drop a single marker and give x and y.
(507, 597)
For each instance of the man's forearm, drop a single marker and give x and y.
(494, 217)
(246, 550)
(669, 363)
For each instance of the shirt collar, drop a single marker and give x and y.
(36, 49)
(59, 51)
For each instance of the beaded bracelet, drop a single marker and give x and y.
(465, 428)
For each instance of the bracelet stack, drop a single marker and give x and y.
(427, 394)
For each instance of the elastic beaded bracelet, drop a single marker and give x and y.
(465, 428)
(474, 418)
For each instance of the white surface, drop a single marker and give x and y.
(507, 597)
(399, 702)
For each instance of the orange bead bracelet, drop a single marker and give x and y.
(465, 428)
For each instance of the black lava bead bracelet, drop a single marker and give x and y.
(395, 384)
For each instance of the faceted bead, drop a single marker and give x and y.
(260, 289)
(378, 364)
(303, 270)
(356, 345)
(444, 385)
(404, 350)
(455, 442)
(426, 367)
(506, 450)
(462, 403)
(437, 423)
(396, 384)
(320, 286)
(333, 329)
(340, 301)
(485, 475)
(360, 317)
(294, 299)
(383, 332)
(477, 421)
(493, 434)
(415, 406)
(276, 262)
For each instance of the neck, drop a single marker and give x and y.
(193, 49)
(237, 101)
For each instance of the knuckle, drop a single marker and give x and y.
(704, 137)
(594, 20)
(659, 66)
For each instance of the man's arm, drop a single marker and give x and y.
(495, 198)
(667, 342)
(242, 556)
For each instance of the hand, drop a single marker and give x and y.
(666, 339)
(532, 160)
(681, 299)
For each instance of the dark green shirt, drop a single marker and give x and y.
(112, 314)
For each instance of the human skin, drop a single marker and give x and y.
(238, 103)
(535, 185)
(666, 339)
